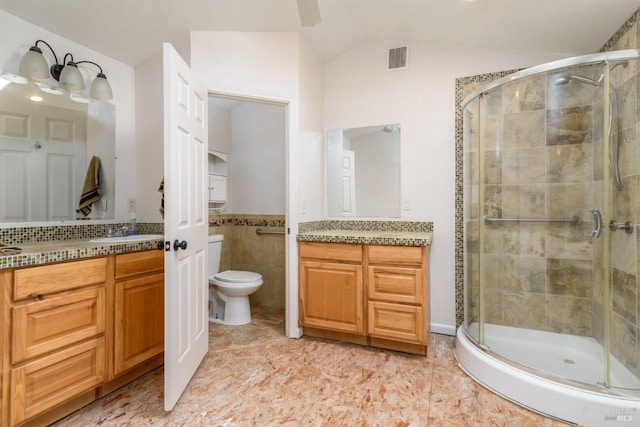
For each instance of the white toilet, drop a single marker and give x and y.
(229, 290)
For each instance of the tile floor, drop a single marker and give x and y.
(255, 376)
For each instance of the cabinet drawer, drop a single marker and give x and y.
(397, 322)
(402, 255)
(46, 382)
(138, 263)
(53, 278)
(40, 327)
(342, 252)
(398, 284)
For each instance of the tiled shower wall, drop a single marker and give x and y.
(538, 162)
(544, 276)
(244, 249)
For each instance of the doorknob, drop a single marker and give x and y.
(179, 245)
(627, 226)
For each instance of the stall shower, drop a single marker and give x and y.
(551, 207)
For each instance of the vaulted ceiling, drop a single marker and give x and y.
(131, 30)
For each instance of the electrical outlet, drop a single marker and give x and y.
(406, 205)
(132, 206)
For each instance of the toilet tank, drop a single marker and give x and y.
(215, 250)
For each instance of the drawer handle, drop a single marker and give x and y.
(39, 297)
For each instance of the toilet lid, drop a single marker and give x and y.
(235, 276)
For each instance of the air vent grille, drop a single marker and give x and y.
(398, 58)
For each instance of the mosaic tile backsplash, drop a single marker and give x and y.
(22, 235)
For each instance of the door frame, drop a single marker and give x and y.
(292, 330)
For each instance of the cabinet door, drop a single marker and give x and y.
(43, 326)
(139, 321)
(217, 188)
(331, 296)
(397, 322)
(46, 382)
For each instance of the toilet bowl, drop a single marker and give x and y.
(233, 287)
(229, 290)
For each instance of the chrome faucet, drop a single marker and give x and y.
(122, 231)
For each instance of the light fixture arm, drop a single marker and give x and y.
(91, 62)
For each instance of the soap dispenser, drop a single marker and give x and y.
(133, 226)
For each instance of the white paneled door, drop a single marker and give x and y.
(185, 226)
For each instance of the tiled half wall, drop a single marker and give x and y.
(244, 249)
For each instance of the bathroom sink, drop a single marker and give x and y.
(128, 239)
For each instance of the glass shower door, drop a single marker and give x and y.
(622, 193)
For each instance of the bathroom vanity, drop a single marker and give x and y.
(75, 330)
(368, 287)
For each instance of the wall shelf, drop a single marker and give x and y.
(217, 190)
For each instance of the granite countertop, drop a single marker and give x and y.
(61, 250)
(371, 237)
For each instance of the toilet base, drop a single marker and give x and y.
(237, 311)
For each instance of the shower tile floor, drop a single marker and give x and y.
(255, 376)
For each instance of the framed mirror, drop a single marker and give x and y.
(363, 172)
(48, 138)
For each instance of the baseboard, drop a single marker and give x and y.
(439, 328)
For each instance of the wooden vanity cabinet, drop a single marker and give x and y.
(57, 329)
(331, 287)
(75, 331)
(139, 309)
(367, 294)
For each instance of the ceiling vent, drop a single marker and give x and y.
(398, 58)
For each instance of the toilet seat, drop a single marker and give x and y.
(231, 277)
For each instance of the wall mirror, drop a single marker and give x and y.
(363, 172)
(46, 143)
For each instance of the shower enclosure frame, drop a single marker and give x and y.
(543, 392)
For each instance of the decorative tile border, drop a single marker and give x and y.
(361, 225)
(626, 27)
(26, 235)
(277, 221)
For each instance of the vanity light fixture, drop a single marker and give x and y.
(35, 66)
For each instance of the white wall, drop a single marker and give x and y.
(17, 35)
(149, 138)
(360, 92)
(219, 128)
(256, 167)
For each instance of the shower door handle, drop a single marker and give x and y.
(597, 223)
